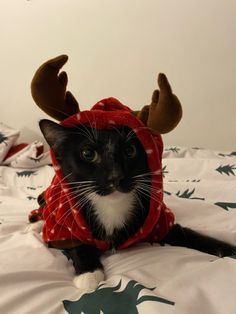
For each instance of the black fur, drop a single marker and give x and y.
(85, 258)
(180, 236)
(113, 170)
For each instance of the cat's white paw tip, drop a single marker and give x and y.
(89, 281)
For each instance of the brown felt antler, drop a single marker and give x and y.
(165, 111)
(48, 89)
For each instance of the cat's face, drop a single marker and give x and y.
(107, 160)
(107, 174)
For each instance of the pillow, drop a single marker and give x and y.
(27, 156)
(8, 137)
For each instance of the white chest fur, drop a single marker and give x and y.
(113, 210)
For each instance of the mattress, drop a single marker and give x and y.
(199, 186)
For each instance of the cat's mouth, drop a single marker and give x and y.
(114, 191)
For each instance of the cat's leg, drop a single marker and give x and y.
(181, 236)
(88, 268)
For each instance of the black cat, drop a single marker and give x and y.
(108, 176)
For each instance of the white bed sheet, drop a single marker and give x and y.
(199, 187)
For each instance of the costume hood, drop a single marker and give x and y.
(64, 220)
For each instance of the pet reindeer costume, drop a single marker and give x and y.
(161, 116)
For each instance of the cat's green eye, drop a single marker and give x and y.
(130, 151)
(89, 154)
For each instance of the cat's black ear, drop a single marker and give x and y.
(55, 134)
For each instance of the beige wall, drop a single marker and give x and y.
(117, 48)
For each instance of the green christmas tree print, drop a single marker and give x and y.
(108, 300)
(173, 149)
(25, 173)
(227, 169)
(164, 171)
(188, 194)
(226, 205)
(195, 180)
(3, 138)
(232, 154)
(30, 198)
(31, 188)
(37, 159)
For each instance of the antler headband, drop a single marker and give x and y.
(48, 89)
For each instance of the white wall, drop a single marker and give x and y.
(117, 48)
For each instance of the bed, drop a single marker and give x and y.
(199, 186)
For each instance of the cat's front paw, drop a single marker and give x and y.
(89, 281)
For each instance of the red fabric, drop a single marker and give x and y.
(63, 219)
(15, 150)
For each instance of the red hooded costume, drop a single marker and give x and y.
(62, 217)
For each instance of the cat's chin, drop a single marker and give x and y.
(115, 196)
(113, 210)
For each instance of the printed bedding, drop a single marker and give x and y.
(200, 188)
